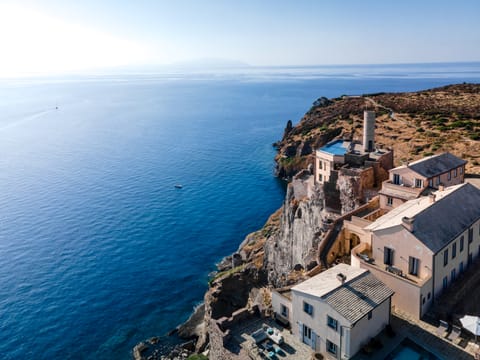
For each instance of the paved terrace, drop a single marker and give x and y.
(243, 345)
(421, 333)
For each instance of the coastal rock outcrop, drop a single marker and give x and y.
(301, 229)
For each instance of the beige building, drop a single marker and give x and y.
(337, 311)
(419, 248)
(410, 181)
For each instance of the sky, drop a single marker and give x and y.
(62, 36)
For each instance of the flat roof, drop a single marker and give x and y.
(327, 281)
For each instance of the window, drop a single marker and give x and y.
(389, 201)
(461, 170)
(396, 179)
(332, 323)
(413, 265)
(449, 175)
(331, 347)
(460, 269)
(445, 257)
(429, 295)
(437, 180)
(307, 332)
(418, 183)
(454, 250)
(387, 256)
(445, 282)
(461, 243)
(470, 259)
(454, 172)
(320, 177)
(284, 310)
(320, 163)
(369, 315)
(307, 308)
(423, 300)
(430, 182)
(470, 235)
(453, 273)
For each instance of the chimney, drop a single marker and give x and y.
(368, 131)
(432, 198)
(441, 187)
(407, 223)
(341, 278)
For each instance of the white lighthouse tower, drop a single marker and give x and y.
(368, 131)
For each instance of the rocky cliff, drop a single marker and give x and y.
(303, 223)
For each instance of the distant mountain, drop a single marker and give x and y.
(209, 63)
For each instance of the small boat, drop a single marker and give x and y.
(178, 186)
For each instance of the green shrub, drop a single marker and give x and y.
(475, 136)
(197, 357)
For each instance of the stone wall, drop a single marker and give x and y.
(220, 332)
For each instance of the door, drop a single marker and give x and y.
(307, 336)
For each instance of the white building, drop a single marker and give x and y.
(336, 312)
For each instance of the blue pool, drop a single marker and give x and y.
(408, 350)
(335, 148)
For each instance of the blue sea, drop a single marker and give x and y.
(98, 249)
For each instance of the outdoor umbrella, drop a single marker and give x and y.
(472, 324)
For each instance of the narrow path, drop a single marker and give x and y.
(391, 113)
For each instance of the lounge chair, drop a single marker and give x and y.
(442, 329)
(259, 336)
(455, 335)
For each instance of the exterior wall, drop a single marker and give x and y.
(426, 296)
(278, 300)
(365, 328)
(404, 244)
(386, 161)
(355, 226)
(442, 271)
(407, 176)
(395, 202)
(409, 291)
(317, 321)
(349, 339)
(447, 180)
(407, 294)
(324, 164)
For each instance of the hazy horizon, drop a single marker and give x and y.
(60, 37)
